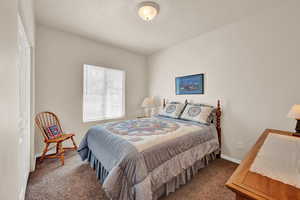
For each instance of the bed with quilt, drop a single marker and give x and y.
(144, 159)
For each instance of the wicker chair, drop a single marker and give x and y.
(45, 119)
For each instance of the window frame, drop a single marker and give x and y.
(123, 96)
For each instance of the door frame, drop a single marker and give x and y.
(26, 76)
(32, 95)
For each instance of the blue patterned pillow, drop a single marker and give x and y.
(53, 131)
(197, 112)
(172, 110)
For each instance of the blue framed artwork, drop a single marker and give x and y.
(193, 84)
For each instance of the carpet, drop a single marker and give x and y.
(76, 180)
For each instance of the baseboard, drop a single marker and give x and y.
(225, 157)
(22, 194)
(23, 187)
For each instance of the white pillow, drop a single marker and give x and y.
(197, 112)
(172, 110)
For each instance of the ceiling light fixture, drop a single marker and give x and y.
(148, 10)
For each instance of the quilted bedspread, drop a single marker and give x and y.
(141, 155)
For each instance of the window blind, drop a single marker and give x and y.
(103, 93)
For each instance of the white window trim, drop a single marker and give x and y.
(123, 100)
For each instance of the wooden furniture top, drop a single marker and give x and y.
(251, 185)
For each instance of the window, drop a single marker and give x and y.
(103, 93)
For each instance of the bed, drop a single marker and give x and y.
(150, 157)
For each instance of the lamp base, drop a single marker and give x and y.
(296, 134)
(297, 129)
(147, 112)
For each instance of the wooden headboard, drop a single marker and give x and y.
(217, 117)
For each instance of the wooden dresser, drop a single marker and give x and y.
(249, 185)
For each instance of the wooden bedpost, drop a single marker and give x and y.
(218, 124)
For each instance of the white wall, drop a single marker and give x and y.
(59, 77)
(9, 100)
(253, 66)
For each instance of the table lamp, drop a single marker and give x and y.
(148, 104)
(295, 114)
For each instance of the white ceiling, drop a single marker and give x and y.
(116, 22)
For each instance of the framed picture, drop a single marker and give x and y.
(192, 84)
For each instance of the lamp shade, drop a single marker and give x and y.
(294, 112)
(148, 102)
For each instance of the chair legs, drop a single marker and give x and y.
(60, 150)
(74, 147)
(44, 152)
(73, 141)
(58, 154)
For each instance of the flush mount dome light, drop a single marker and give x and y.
(148, 10)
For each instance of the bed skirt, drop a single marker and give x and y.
(166, 188)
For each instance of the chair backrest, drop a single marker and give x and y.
(45, 119)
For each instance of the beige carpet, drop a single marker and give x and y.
(76, 180)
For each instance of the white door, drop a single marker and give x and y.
(24, 69)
